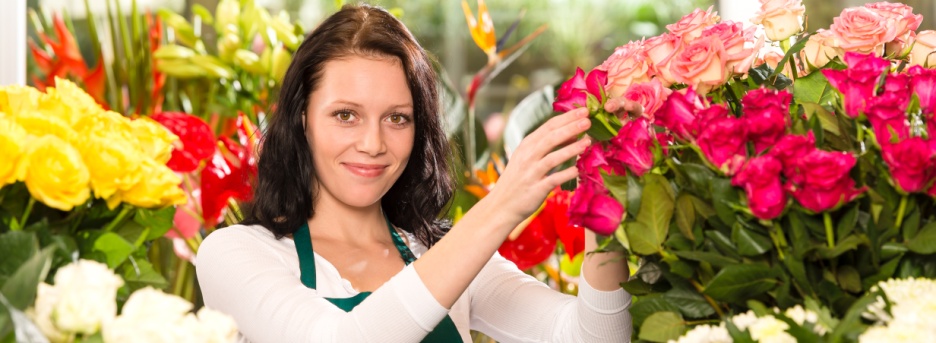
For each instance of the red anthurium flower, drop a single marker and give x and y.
(557, 212)
(198, 142)
(533, 246)
(228, 174)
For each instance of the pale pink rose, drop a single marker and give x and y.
(772, 58)
(923, 47)
(820, 49)
(650, 95)
(863, 30)
(900, 47)
(701, 64)
(739, 44)
(690, 26)
(900, 16)
(660, 50)
(627, 65)
(780, 18)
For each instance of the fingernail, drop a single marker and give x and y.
(584, 123)
(583, 113)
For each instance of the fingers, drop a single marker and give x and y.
(620, 106)
(555, 158)
(563, 119)
(560, 177)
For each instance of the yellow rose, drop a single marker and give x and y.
(114, 164)
(40, 124)
(155, 140)
(158, 187)
(14, 99)
(56, 175)
(12, 148)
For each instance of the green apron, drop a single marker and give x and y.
(444, 332)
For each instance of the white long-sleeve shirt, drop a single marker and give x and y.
(247, 273)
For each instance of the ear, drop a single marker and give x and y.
(304, 122)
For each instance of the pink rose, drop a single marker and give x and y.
(766, 112)
(773, 58)
(780, 18)
(923, 47)
(857, 82)
(593, 207)
(821, 180)
(706, 116)
(912, 164)
(723, 141)
(790, 148)
(923, 82)
(690, 26)
(574, 92)
(899, 15)
(739, 44)
(702, 64)
(860, 29)
(626, 66)
(820, 49)
(632, 146)
(760, 179)
(660, 50)
(650, 95)
(678, 113)
(888, 116)
(595, 159)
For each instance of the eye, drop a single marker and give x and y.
(344, 116)
(398, 119)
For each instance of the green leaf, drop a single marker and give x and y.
(690, 302)
(849, 243)
(648, 305)
(599, 130)
(527, 115)
(814, 88)
(158, 221)
(656, 211)
(20, 289)
(712, 258)
(699, 177)
(724, 244)
(911, 223)
(204, 13)
(616, 184)
(849, 279)
(799, 236)
(724, 195)
(133, 233)
(798, 271)
(115, 248)
(140, 273)
(851, 322)
(846, 224)
(17, 247)
(796, 48)
(662, 327)
(925, 241)
(741, 282)
(685, 215)
(11, 317)
(634, 195)
(750, 243)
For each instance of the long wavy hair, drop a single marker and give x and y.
(286, 186)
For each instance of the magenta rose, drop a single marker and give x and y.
(723, 143)
(678, 113)
(790, 148)
(857, 82)
(650, 95)
(923, 83)
(760, 179)
(766, 113)
(821, 181)
(911, 162)
(863, 30)
(888, 117)
(632, 146)
(627, 65)
(899, 86)
(593, 207)
(690, 26)
(595, 159)
(574, 92)
(706, 116)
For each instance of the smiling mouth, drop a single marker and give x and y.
(365, 170)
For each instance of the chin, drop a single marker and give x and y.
(361, 198)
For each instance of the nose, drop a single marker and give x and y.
(371, 141)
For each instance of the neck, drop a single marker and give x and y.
(334, 220)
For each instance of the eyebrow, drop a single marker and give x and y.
(354, 104)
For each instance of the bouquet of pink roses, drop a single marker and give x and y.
(776, 171)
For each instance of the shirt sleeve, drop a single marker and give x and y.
(511, 306)
(248, 281)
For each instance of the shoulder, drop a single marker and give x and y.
(242, 240)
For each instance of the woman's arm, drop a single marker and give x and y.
(449, 267)
(607, 270)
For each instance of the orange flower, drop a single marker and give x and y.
(482, 28)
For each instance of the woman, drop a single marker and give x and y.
(355, 164)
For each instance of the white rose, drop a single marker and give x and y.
(780, 18)
(706, 334)
(768, 329)
(744, 320)
(140, 330)
(41, 313)
(149, 303)
(153, 316)
(87, 292)
(897, 333)
(218, 326)
(802, 316)
(923, 47)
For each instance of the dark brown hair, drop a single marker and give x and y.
(286, 182)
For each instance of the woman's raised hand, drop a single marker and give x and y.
(622, 107)
(527, 180)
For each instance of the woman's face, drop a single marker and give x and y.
(360, 128)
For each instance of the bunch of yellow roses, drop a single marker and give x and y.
(66, 148)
